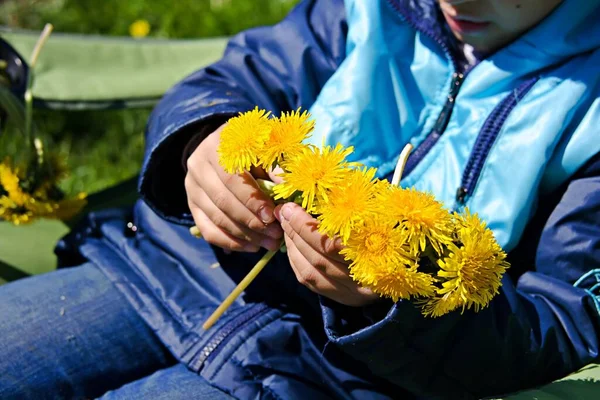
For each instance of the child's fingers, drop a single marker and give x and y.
(305, 226)
(305, 273)
(244, 187)
(326, 265)
(222, 197)
(225, 223)
(348, 293)
(238, 196)
(274, 175)
(216, 236)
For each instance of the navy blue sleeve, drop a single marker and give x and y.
(542, 326)
(277, 68)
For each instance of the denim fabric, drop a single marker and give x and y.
(70, 334)
(173, 383)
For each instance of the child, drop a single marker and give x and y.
(501, 99)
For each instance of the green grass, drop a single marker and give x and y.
(104, 148)
(101, 148)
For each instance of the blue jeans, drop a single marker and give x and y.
(70, 334)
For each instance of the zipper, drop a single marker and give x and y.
(225, 333)
(444, 117)
(486, 139)
(438, 129)
(488, 133)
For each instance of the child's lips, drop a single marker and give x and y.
(464, 25)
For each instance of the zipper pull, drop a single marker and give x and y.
(461, 195)
(457, 80)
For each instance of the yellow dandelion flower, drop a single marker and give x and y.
(14, 213)
(347, 204)
(139, 28)
(375, 242)
(395, 281)
(380, 260)
(20, 207)
(286, 138)
(243, 139)
(421, 215)
(313, 172)
(9, 180)
(472, 272)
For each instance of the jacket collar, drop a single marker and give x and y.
(543, 45)
(573, 28)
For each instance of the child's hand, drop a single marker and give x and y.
(229, 210)
(316, 261)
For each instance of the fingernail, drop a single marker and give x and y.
(266, 215)
(270, 244)
(250, 248)
(286, 212)
(274, 231)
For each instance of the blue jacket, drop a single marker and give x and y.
(281, 340)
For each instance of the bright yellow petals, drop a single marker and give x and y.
(243, 139)
(9, 180)
(471, 274)
(286, 138)
(381, 262)
(20, 207)
(314, 172)
(139, 28)
(421, 215)
(347, 204)
(14, 213)
(375, 242)
(401, 282)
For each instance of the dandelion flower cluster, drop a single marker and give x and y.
(399, 242)
(312, 173)
(23, 199)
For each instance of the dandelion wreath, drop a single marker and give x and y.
(400, 243)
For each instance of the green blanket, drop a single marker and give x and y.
(582, 385)
(79, 71)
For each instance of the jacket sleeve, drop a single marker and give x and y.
(541, 326)
(277, 68)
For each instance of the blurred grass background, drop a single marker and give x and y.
(102, 148)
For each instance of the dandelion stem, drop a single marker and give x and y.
(194, 231)
(401, 164)
(29, 91)
(238, 290)
(39, 44)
